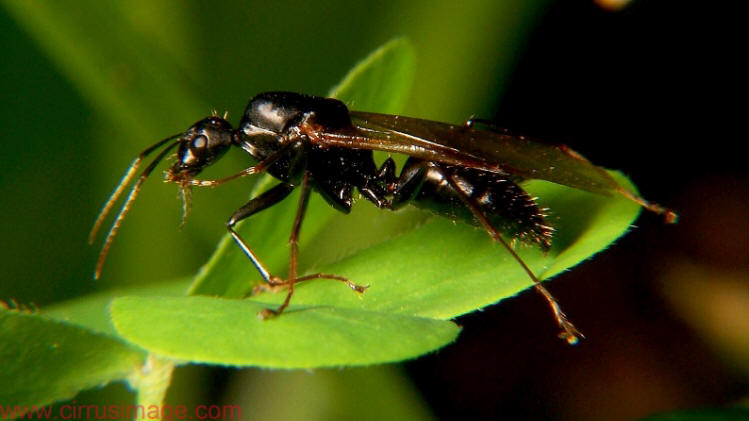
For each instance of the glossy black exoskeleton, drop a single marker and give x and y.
(315, 143)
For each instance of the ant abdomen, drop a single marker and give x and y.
(504, 203)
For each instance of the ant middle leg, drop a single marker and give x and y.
(277, 285)
(294, 250)
(376, 189)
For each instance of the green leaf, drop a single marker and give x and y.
(383, 392)
(417, 266)
(44, 360)
(92, 311)
(421, 265)
(61, 341)
(381, 81)
(443, 269)
(220, 331)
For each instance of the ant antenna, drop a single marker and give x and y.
(130, 198)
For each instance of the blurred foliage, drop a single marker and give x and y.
(715, 302)
(106, 79)
(92, 83)
(46, 360)
(160, 324)
(86, 85)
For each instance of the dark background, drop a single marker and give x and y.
(653, 77)
(649, 89)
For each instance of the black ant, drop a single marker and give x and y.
(310, 142)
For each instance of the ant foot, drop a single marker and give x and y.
(260, 288)
(359, 289)
(274, 284)
(267, 313)
(570, 333)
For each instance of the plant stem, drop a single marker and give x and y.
(151, 383)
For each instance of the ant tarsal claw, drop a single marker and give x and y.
(266, 313)
(570, 333)
(275, 280)
(360, 289)
(261, 288)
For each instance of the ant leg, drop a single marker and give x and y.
(274, 282)
(569, 331)
(355, 287)
(386, 173)
(409, 183)
(275, 286)
(376, 190)
(293, 253)
(257, 204)
(669, 216)
(255, 169)
(375, 195)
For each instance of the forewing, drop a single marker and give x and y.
(470, 147)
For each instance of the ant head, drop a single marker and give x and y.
(200, 146)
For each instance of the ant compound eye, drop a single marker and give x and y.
(199, 142)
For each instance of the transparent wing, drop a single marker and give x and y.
(474, 148)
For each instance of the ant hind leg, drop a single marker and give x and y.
(569, 332)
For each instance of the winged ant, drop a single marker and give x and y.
(316, 143)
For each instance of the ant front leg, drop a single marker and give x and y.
(255, 169)
(257, 204)
(264, 201)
